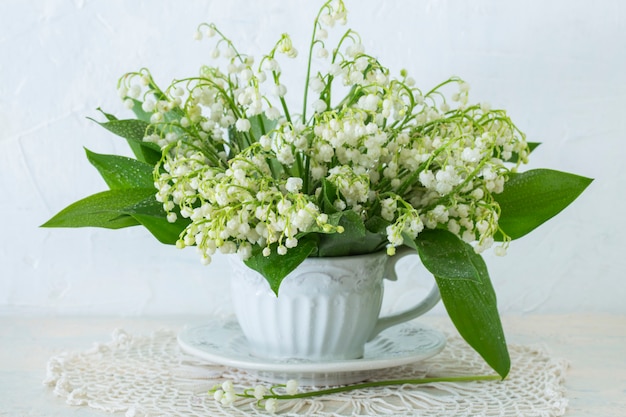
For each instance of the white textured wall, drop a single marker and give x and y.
(557, 66)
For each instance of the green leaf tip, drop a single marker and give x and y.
(533, 197)
(134, 130)
(276, 267)
(104, 209)
(120, 172)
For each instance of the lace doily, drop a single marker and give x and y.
(148, 376)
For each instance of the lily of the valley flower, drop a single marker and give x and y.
(412, 157)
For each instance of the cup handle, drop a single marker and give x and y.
(420, 308)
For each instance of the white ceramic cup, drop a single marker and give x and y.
(327, 309)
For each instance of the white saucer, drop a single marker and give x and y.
(222, 342)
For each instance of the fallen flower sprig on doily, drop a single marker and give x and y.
(268, 397)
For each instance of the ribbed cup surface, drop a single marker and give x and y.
(326, 308)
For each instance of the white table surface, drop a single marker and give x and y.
(594, 344)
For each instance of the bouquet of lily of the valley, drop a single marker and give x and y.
(367, 161)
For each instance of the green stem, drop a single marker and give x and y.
(308, 66)
(307, 174)
(438, 86)
(385, 383)
(283, 103)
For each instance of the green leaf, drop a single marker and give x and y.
(139, 111)
(121, 172)
(237, 142)
(134, 131)
(164, 231)
(145, 153)
(472, 307)
(377, 225)
(355, 239)
(107, 115)
(446, 256)
(149, 212)
(131, 129)
(261, 125)
(276, 267)
(105, 209)
(531, 147)
(533, 197)
(471, 303)
(328, 196)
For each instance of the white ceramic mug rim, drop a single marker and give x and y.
(362, 255)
